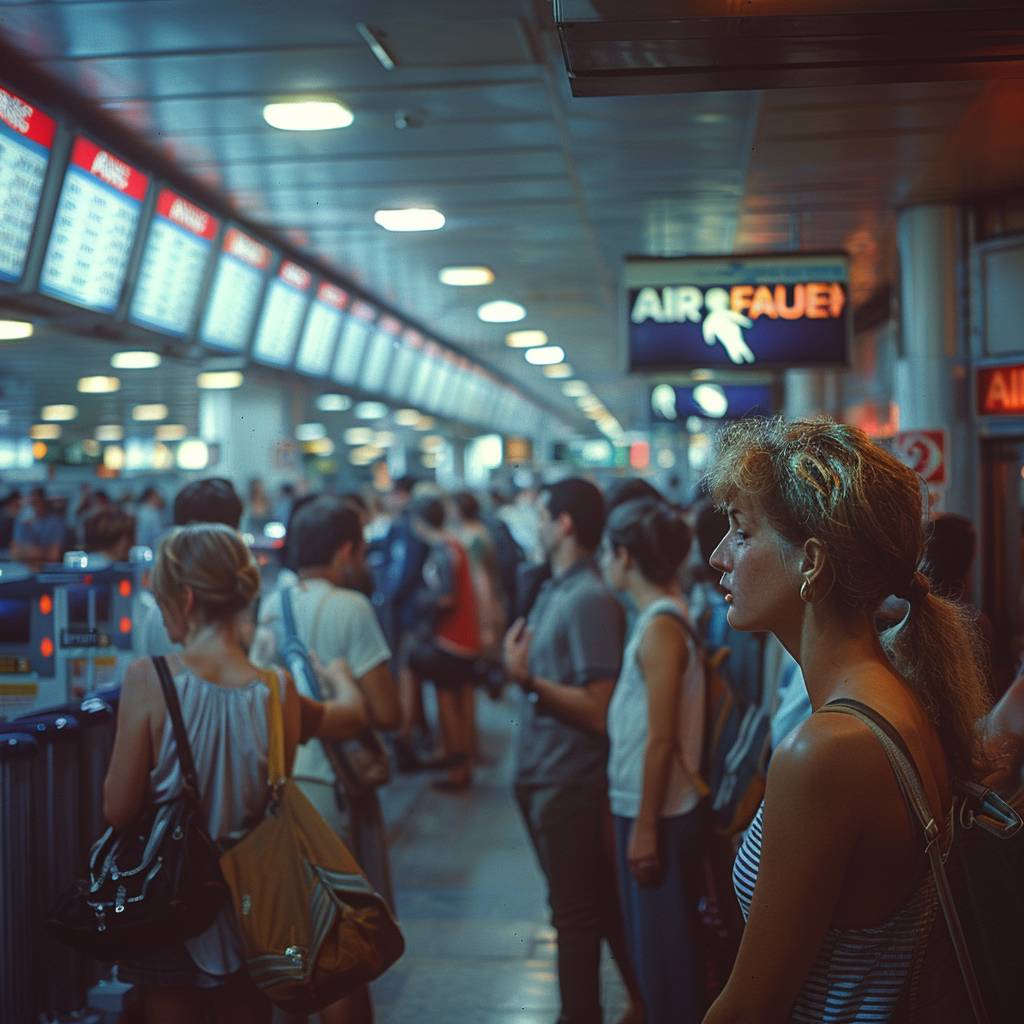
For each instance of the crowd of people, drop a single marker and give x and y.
(815, 579)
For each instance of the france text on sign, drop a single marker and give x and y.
(26, 138)
(1001, 390)
(231, 308)
(94, 228)
(751, 312)
(177, 252)
(924, 451)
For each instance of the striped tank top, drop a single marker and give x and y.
(859, 973)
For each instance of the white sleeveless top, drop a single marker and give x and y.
(227, 730)
(628, 725)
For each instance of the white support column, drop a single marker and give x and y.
(808, 393)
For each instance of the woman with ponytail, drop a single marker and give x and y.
(824, 525)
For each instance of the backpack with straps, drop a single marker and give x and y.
(979, 881)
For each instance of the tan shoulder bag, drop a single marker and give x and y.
(312, 927)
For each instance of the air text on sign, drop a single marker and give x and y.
(1001, 390)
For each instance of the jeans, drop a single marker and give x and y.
(568, 828)
(661, 920)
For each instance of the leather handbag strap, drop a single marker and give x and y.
(276, 772)
(911, 787)
(181, 743)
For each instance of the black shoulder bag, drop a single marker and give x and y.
(153, 883)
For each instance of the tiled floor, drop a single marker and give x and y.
(471, 903)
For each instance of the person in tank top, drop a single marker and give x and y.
(832, 875)
(204, 580)
(655, 733)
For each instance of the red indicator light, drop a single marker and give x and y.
(88, 579)
(125, 624)
(125, 588)
(46, 647)
(45, 604)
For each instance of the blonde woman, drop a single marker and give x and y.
(204, 580)
(832, 874)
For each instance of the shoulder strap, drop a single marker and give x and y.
(275, 731)
(184, 749)
(913, 793)
(288, 614)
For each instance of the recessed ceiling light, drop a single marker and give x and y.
(171, 432)
(113, 457)
(98, 385)
(546, 356)
(558, 372)
(526, 339)
(501, 311)
(320, 446)
(220, 380)
(415, 218)
(15, 330)
(109, 432)
(384, 439)
(371, 410)
(465, 277)
(407, 417)
(310, 432)
(193, 454)
(432, 442)
(45, 431)
(58, 413)
(163, 457)
(135, 360)
(425, 423)
(333, 403)
(358, 435)
(148, 413)
(307, 115)
(575, 389)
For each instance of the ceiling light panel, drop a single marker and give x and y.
(546, 356)
(307, 115)
(135, 360)
(58, 413)
(414, 218)
(466, 277)
(148, 413)
(220, 380)
(15, 330)
(98, 385)
(501, 311)
(526, 339)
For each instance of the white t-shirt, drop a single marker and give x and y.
(333, 623)
(628, 727)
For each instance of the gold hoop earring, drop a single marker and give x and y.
(805, 592)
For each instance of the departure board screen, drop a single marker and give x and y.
(283, 311)
(26, 140)
(352, 346)
(407, 358)
(423, 378)
(442, 379)
(94, 229)
(323, 325)
(174, 261)
(237, 283)
(379, 354)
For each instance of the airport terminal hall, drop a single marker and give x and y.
(511, 512)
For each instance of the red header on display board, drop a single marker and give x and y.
(363, 310)
(389, 325)
(1001, 390)
(246, 249)
(294, 275)
(109, 169)
(331, 295)
(186, 215)
(413, 338)
(26, 120)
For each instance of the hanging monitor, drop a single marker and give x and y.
(174, 261)
(94, 229)
(26, 142)
(421, 386)
(742, 312)
(284, 309)
(379, 353)
(320, 334)
(237, 284)
(354, 334)
(407, 356)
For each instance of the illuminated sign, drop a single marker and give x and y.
(283, 313)
(320, 334)
(94, 228)
(1001, 390)
(711, 401)
(751, 312)
(237, 285)
(177, 252)
(26, 139)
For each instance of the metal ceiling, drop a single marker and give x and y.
(478, 120)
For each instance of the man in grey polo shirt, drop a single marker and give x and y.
(566, 658)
